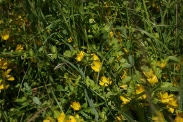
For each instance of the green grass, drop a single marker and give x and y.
(137, 70)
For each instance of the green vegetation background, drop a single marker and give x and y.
(118, 60)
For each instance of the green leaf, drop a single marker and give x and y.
(173, 58)
(166, 84)
(68, 53)
(131, 60)
(36, 100)
(54, 49)
(127, 65)
(23, 99)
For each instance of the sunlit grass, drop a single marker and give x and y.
(76, 61)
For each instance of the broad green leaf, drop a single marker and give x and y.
(20, 100)
(174, 58)
(36, 100)
(131, 60)
(68, 53)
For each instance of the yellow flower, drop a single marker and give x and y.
(124, 86)
(80, 56)
(125, 50)
(105, 81)
(70, 39)
(71, 119)
(5, 35)
(48, 119)
(159, 117)
(164, 97)
(7, 76)
(161, 64)
(3, 63)
(119, 118)
(111, 34)
(169, 100)
(124, 74)
(149, 73)
(61, 117)
(2, 85)
(153, 80)
(179, 117)
(124, 100)
(76, 106)
(96, 65)
(78, 118)
(172, 105)
(95, 57)
(140, 89)
(19, 47)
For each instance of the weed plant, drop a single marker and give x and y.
(91, 61)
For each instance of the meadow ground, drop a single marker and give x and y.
(91, 61)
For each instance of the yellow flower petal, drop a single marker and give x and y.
(19, 47)
(179, 117)
(96, 65)
(149, 73)
(5, 35)
(124, 100)
(76, 106)
(61, 117)
(71, 119)
(159, 117)
(3, 63)
(70, 39)
(105, 81)
(140, 89)
(95, 57)
(153, 80)
(10, 78)
(80, 56)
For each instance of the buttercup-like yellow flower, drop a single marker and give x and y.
(2, 85)
(3, 63)
(159, 117)
(124, 100)
(179, 117)
(19, 47)
(5, 35)
(172, 105)
(149, 73)
(164, 97)
(119, 118)
(124, 86)
(61, 117)
(96, 65)
(71, 119)
(80, 56)
(7, 76)
(105, 81)
(95, 57)
(111, 34)
(70, 39)
(153, 80)
(78, 118)
(140, 89)
(161, 64)
(169, 100)
(48, 119)
(76, 106)
(124, 74)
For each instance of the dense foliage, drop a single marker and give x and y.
(97, 60)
